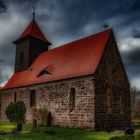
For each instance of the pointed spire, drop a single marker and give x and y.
(34, 8)
(34, 31)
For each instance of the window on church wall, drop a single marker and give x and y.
(72, 99)
(15, 97)
(32, 98)
(21, 57)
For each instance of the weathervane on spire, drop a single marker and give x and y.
(105, 25)
(34, 8)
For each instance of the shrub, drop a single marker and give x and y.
(10, 112)
(40, 114)
(129, 131)
(16, 113)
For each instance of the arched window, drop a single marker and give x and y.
(72, 99)
(32, 98)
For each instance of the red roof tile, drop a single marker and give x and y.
(34, 31)
(79, 58)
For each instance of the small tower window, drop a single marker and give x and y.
(72, 99)
(21, 57)
(15, 97)
(32, 98)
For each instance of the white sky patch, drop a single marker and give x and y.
(129, 44)
(5, 75)
(91, 28)
(7, 72)
(3, 83)
(136, 82)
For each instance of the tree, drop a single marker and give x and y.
(16, 113)
(133, 91)
(135, 101)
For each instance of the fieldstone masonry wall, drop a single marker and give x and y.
(112, 98)
(55, 96)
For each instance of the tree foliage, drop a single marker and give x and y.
(16, 113)
(10, 112)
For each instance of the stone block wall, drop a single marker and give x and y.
(55, 96)
(112, 98)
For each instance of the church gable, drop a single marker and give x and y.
(111, 66)
(112, 91)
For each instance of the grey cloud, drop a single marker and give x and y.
(136, 33)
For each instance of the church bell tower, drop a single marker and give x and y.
(29, 45)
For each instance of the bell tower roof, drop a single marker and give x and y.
(34, 31)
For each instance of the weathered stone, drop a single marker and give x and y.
(55, 96)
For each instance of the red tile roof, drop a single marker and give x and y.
(33, 30)
(79, 58)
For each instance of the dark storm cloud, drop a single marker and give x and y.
(82, 12)
(67, 20)
(2, 6)
(135, 6)
(136, 33)
(20, 2)
(75, 15)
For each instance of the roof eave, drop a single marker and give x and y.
(30, 36)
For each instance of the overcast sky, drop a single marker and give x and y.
(63, 21)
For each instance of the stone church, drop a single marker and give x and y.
(83, 83)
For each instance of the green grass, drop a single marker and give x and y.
(8, 127)
(53, 133)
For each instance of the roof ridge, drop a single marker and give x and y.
(64, 45)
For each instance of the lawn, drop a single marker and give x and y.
(53, 133)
